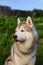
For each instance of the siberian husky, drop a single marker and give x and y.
(23, 51)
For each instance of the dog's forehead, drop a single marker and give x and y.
(21, 24)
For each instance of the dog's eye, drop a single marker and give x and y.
(22, 30)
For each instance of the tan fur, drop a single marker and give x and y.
(26, 26)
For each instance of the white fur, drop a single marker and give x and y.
(18, 21)
(29, 21)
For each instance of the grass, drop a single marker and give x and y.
(7, 29)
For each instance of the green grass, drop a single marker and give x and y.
(7, 29)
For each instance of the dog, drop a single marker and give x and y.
(23, 51)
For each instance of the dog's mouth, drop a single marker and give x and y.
(21, 41)
(16, 40)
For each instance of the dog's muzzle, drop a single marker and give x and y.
(20, 40)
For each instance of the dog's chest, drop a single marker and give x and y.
(21, 61)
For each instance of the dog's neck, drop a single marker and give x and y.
(24, 48)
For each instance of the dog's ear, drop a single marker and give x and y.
(18, 21)
(29, 21)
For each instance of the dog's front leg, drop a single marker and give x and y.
(9, 61)
(12, 52)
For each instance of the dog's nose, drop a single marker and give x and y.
(15, 36)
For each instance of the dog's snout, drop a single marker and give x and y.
(15, 36)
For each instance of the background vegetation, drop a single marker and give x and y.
(7, 29)
(7, 11)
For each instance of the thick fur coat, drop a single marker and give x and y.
(23, 51)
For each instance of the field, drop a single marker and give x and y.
(7, 29)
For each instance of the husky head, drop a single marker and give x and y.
(25, 31)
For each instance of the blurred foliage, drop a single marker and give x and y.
(7, 11)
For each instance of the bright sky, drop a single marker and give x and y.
(23, 4)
